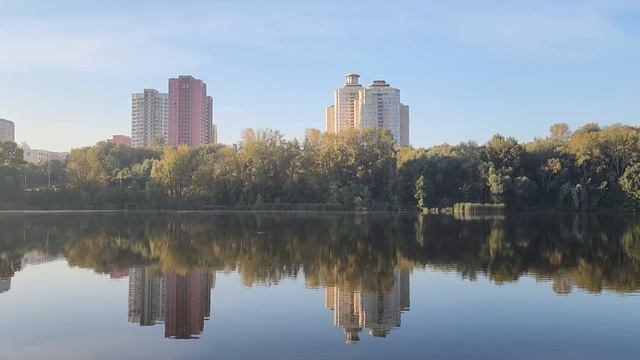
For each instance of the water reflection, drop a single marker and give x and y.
(181, 301)
(363, 262)
(31, 257)
(355, 308)
(5, 284)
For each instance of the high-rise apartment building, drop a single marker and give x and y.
(404, 125)
(347, 105)
(377, 105)
(190, 112)
(331, 125)
(213, 139)
(7, 130)
(149, 118)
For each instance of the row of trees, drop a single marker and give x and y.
(588, 169)
(16, 175)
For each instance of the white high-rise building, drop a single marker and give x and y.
(378, 105)
(346, 106)
(149, 117)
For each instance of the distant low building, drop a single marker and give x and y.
(37, 257)
(123, 140)
(118, 273)
(7, 131)
(39, 156)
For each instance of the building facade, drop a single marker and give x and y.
(190, 113)
(404, 125)
(149, 118)
(346, 105)
(122, 140)
(7, 131)
(39, 156)
(377, 105)
(330, 116)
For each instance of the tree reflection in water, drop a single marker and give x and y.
(362, 261)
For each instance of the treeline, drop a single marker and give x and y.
(16, 175)
(591, 168)
(588, 169)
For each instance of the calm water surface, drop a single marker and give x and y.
(278, 286)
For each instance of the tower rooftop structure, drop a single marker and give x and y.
(352, 79)
(379, 83)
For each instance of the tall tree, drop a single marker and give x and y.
(421, 193)
(173, 172)
(11, 154)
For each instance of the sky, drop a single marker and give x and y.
(467, 69)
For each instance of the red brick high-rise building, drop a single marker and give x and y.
(190, 113)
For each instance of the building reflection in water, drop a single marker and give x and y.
(147, 293)
(563, 285)
(377, 311)
(32, 257)
(5, 284)
(181, 301)
(37, 257)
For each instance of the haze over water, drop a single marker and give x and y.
(336, 286)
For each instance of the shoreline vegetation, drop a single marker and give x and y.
(590, 169)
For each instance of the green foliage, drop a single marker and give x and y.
(630, 182)
(174, 171)
(498, 184)
(11, 154)
(592, 168)
(420, 193)
(12, 173)
(560, 132)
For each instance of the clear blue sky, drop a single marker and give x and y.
(468, 69)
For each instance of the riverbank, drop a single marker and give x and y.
(229, 210)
